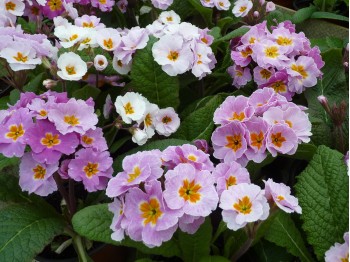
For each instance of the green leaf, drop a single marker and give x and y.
(148, 78)
(118, 144)
(34, 84)
(26, 230)
(86, 92)
(183, 8)
(4, 101)
(322, 190)
(328, 15)
(275, 16)
(10, 191)
(214, 259)
(199, 124)
(327, 43)
(5, 162)
(304, 152)
(303, 14)
(29, 27)
(159, 144)
(235, 33)
(284, 233)
(205, 12)
(93, 222)
(14, 96)
(265, 251)
(196, 246)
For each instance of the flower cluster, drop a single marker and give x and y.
(24, 51)
(339, 252)
(264, 121)
(60, 132)
(151, 204)
(219, 4)
(181, 46)
(243, 203)
(146, 116)
(281, 59)
(252, 10)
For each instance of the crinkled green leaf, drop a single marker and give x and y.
(196, 246)
(322, 190)
(93, 222)
(284, 233)
(5, 162)
(205, 12)
(199, 124)
(148, 78)
(159, 144)
(26, 230)
(303, 14)
(328, 15)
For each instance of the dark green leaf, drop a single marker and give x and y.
(205, 12)
(86, 92)
(34, 84)
(328, 15)
(235, 33)
(119, 143)
(148, 78)
(303, 14)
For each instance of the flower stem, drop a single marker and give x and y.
(79, 248)
(244, 248)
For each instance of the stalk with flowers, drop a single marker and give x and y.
(197, 130)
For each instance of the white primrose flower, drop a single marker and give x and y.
(169, 17)
(100, 62)
(149, 119)
(20, 56)
(242, 7)
(71, 66)
(173, 54)
(69, 35)
(222, 4)
(202, 62)
(139, 136)
(120, 67)
(131, 107)
(13, 7)
(167, 121)
(108, 38)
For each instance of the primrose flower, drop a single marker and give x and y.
(94, 139)
(242, 204)
(169, 17)
(166, 121)
(190, 190)
(162, 4)
(13, 132)
(172, 54)
(117, 208)
(48, 144)
(139, 136)
(100, 62)
(39, 107)
(71, 66)
(190, 224)
(73, 116)
(229, 141)
(93, 168)
(69, 35)
(150, 219)
(230, 174)
(242, 56)
(36, 177)
(241, 8)
(263, 99)
(269, 53)
(338, 252)
(222, 4)
(104, 6)
(282, 139)
(233, 109)
(149, 119)
(131, 107)
(53, 8)
(207, 3)
(279, 83)
(262, 75)
(204, 60)
(20, 57)
(89, 22)
(122, 5)
(280, 194)
(108, 38)
(241, 76)
(137, 168)
(13, 7)
(120, 67)
(175, 155)
(63, 169)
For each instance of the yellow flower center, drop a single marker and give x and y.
(50, 140)
(300, 69)
(10, 6)
(136, 174)
(70, 70)
(119, 63)
(15, 132)
(192, 158)
(242, 9)
(279, 87)
(247, 52)
(272, 52)
(234, 142)
(266, 74)
(108, 43)
(345, 259)
(91, 169)
(148, 120)
(239, 73)
(243, 206)
(256, 139)
(189, 191)
(204, 40)
(73, 37)
(150, 211)
(128, 109)
(239, 117)
(103, 1)
(289, 123)
(169, 19)
(55, 5)
(284, 41)
(280, 198)
(221, 4)
(39, 172)
(231, 181)
(86, 40)
(166, 119)
(90, 25)
(252, 40)
(43, 113)
(278, 139)
(71, 120)
(100, 62)
(173, 55)
(87, 140)
(20, 57)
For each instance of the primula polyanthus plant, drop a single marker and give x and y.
(186, 130)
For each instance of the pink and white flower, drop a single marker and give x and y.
(131, 107)
(167, 121)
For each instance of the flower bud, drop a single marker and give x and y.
(270, 6)
(100, 62)
(49, 83)
(262, 2)
(138, 136)
(256, 14)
